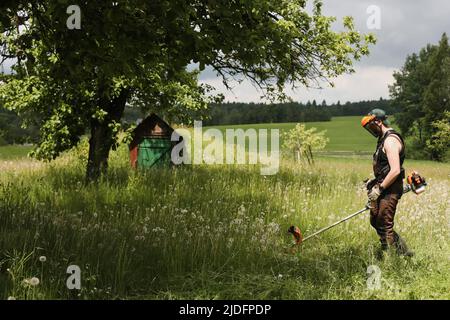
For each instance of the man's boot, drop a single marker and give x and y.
(401, 247)
(381, 251)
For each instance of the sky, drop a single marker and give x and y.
(406, 26)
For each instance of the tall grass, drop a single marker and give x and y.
(212, 232)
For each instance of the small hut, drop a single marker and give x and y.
(151, 144)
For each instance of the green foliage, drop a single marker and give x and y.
(304, 141)
(439, 142)
(422, 91)
(12, 132)
(247, 113)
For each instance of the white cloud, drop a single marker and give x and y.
(5, 67)
(367, 83)
(406, 27)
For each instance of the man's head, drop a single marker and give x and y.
(375, 121)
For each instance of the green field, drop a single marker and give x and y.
(14, 152)
(345, 133)
(346, 136)
(214, 232)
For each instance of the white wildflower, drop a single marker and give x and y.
(32, 282)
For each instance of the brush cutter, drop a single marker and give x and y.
(415, 183)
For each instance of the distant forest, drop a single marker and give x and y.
(226, 113)
(11, 131)
(247, 113)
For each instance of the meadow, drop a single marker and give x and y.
(213, 232)
(345, 134)
(346, 137)
(14, 152)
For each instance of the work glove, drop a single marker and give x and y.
(369, 183)
(375, 192)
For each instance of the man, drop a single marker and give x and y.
(386, 189)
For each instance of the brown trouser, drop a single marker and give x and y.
(382, 216)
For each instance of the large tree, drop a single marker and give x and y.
(422, 91)
(137, 52)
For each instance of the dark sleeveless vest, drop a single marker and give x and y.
(381, 166)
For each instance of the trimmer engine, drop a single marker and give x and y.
(416, 183)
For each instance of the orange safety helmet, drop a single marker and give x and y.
(368, 123)
(366, 119)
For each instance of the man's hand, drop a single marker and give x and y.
(374, 193)
(369, 183)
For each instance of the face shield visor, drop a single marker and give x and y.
(368, 123)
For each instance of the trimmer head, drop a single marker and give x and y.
(297, 234)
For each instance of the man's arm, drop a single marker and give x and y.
(392, 147)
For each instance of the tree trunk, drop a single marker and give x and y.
(102, 138)
(311, 154)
